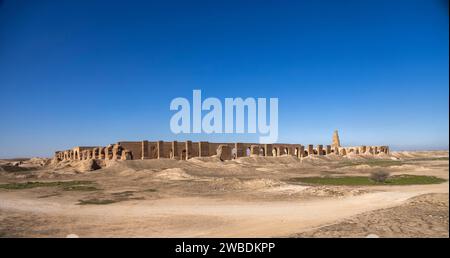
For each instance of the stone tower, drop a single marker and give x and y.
(336, 142)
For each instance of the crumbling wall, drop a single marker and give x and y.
(145, 150)
(319, 149)
(254, 150)
(127, 150)
(268, 150)
(224, 152)
(240, 150)
(328, 149)
(160, 147)
(134, 147)
(203, 149)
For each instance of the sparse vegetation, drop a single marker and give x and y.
(124, 194)
(16, 169)
(80, 188)
(112, 198)
(430, 159)
(115, 197)
(49, 195)
(388, 162)
(373, 163)
(379, 176)
(66, 185)
(96, 201)
(362, 180)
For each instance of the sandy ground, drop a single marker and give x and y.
(204, 197)
(424, 215)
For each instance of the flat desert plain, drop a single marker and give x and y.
(205, 197)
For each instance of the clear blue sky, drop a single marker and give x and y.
(96, 72)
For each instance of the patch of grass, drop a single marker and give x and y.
(28, 185)
(430, 159)
(414, 180)
(112, 198)
(80, 188)
(123, 194)
(49, 195)
(10, 168)
(373, 163)
(361, 180)
(96, 201)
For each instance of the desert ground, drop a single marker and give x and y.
(205, 197)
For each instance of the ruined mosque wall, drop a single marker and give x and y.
(183, 150)
(134, 147)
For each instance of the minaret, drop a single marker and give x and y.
(336, 142)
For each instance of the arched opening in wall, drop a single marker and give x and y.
(350, 151)
(77, 155)
(171, 155)
(305, 153)
(296, 152)
(183, 155)
(234, 153)
(274, 152)
(324, 152)
(285, 151)
(332, 151)
(262, 152)
(315, 152)
(248, 152)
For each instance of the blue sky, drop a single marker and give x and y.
(96, 72)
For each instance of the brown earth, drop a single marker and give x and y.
(422, 216)
(204, 197)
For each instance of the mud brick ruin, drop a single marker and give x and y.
(225, 151)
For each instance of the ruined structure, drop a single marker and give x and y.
(335, 141)
(225, 151)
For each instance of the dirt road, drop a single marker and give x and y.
(206, 217)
